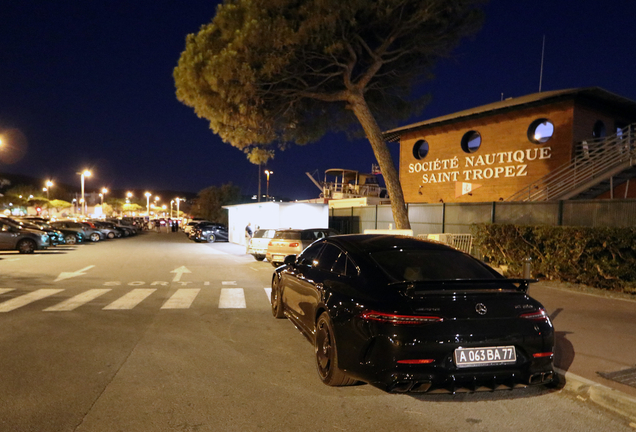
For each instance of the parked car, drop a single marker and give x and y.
(13, 236)
(187, 229)
(408, 315)
(107, 229)
(209, 232)
(56, 237)
(293, 241)
(94, 233)
(258, 243)
(84, 230)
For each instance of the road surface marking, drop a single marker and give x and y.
(181, 299)
(232, 298)
(68, 275)
(130, 300)
(25, 299)
(179, 272)
(6, 290)
(78, 300)
(228, 283)
(268, 291)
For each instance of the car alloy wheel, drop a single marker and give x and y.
(26, 246)
(95, 237)
(277, 303)
(211, 238)
(70, 239)
(111, 235)
(326, 354)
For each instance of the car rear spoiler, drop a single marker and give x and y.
(467, 286)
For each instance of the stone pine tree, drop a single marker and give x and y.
(269, 73)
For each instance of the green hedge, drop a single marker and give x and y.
(598, 257)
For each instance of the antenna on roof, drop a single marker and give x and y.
(541, 73)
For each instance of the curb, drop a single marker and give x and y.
(605, 397)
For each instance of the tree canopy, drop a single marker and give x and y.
(210, 201)
(268, 73)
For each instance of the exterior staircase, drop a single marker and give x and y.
(598, 166)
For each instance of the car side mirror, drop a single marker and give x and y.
(290, 260)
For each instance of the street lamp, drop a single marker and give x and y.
(267, 173)
(148, 195)
(101, 195)
(171, 204)
(85, 173)
(49, 184)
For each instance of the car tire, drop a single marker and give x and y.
(26, 246)
(111, 235)
(276, 299)
(327, 354)
(259, 257)
(70, 239)
(211, 238)
(95, 237)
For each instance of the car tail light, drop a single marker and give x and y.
(539, 315)
(270, 243)
(416, 362)
(399, 319)
(294, 244)
(542, 354)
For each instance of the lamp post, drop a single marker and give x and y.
(48, 184)
(267, 173)
(85, 173)
(101, 195)
(171, 204)
(148, 194)
(74, 202)
(178, 200)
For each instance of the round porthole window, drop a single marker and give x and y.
(599, 129)
(540, 131)
(471, 141)
(420, 149)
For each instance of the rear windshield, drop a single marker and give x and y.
(430, 265)
(289, 235)
(264, 234)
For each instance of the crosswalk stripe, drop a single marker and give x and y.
(130, 300)
(232, 298)
(25, 299)
(182, 299)
(6, 290)
(78, 300)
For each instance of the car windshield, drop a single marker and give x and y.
(430, 265)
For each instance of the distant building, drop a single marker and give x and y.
(565, 144)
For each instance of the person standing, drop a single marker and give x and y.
(248, 237)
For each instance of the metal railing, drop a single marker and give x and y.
(594, 161)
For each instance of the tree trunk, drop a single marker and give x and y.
(383, 156)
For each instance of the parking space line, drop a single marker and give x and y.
(181, 299)
(232, 298)
(130, 300)
(6, 290)
(268, 291)
(25, 299)
(78, 300)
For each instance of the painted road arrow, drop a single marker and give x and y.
(68, 275)
(179, 272)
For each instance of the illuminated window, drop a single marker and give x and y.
(471, 141)
(540, 131)
(420, 149)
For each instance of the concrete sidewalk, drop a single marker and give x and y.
(595, 334)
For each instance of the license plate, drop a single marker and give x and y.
(487, 356)
(278, 258)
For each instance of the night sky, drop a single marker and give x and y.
(89, 85)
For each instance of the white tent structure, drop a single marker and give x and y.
(274, 215)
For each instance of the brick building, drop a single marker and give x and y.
(564, 144)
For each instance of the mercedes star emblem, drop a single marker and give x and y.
(481, 308)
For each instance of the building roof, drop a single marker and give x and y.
(593, 94)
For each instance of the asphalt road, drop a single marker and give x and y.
(157, 333)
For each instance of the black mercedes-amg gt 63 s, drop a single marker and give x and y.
(409, 315)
